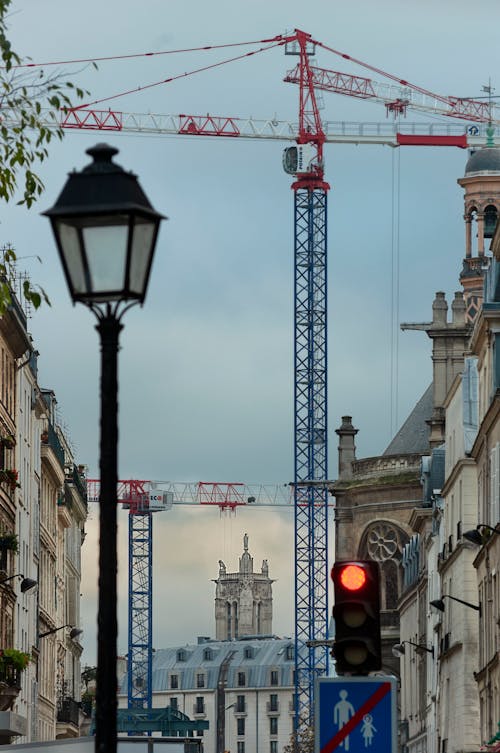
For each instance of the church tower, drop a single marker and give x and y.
(243, 600)
(481, 184)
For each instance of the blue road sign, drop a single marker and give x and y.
(356, 715)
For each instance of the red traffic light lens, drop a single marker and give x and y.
(353, 577)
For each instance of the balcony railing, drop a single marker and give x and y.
(68, 711)
(10, 676)
(53, 442)
(75, 478)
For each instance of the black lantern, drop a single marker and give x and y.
(106, 232)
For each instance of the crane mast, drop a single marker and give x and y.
(310, 390)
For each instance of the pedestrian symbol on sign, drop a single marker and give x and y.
(342, 712)
(367, 729)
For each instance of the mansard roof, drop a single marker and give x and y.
(255, 656)
(413, 436)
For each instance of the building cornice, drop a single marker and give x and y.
(419, 516)
(490, 418)
(455, 473)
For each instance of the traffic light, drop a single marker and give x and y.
(357, 647)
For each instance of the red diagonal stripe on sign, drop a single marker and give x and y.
(368, 705)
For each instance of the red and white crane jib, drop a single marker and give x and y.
(335, 132)
(397, 99)
(141, 496)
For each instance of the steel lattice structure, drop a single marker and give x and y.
(140, 609)
(311, 464)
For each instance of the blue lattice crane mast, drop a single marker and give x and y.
(142, 500)
(305, 161)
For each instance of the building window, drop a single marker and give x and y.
(181, 655)
(241, 680)
(200, 681)
(289, 652)
(240, 747)
(174, 682)
(240, 703)
(240, 726)
(273, 746)
(273, 725)
(207, 654)
(200, 705)
(248, 653)
(273, 702)
(173, 703)
(274, 677)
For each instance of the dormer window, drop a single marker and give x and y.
(289, 652)
(208, 654)
(181, 655)
(248, 653)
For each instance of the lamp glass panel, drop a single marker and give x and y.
(70, 243)
(142, 250)
(106, 250)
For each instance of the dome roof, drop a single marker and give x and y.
(484, 160)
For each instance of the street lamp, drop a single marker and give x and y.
(439, 603)
(106, 230)
(26, 584)
(399, 649)
(73, 633)
(475, 536)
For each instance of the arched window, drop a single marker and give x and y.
(490, 221)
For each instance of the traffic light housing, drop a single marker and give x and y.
(357, 647)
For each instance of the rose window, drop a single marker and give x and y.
(382, 542)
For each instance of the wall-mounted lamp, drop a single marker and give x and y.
(26, 584)
(399, 649)
(439, 603)
(475, 536)
(74, 632)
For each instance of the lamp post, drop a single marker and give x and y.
(27, 584)
(439, 603)
(399, 649)
(475, 535)
(73, 633)
(106, 230)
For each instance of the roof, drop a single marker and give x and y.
(485, 160)
(254, 656)
(413, 436)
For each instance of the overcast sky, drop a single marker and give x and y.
(206, 365)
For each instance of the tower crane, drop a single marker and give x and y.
(143, 499)
(305, 162)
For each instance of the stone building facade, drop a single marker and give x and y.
(420, 507)
(41, 502)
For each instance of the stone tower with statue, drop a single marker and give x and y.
(243, 599)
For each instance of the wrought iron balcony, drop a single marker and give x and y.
(51, 439)
(74, 477)
(68, 711)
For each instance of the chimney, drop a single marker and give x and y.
(347, 448)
